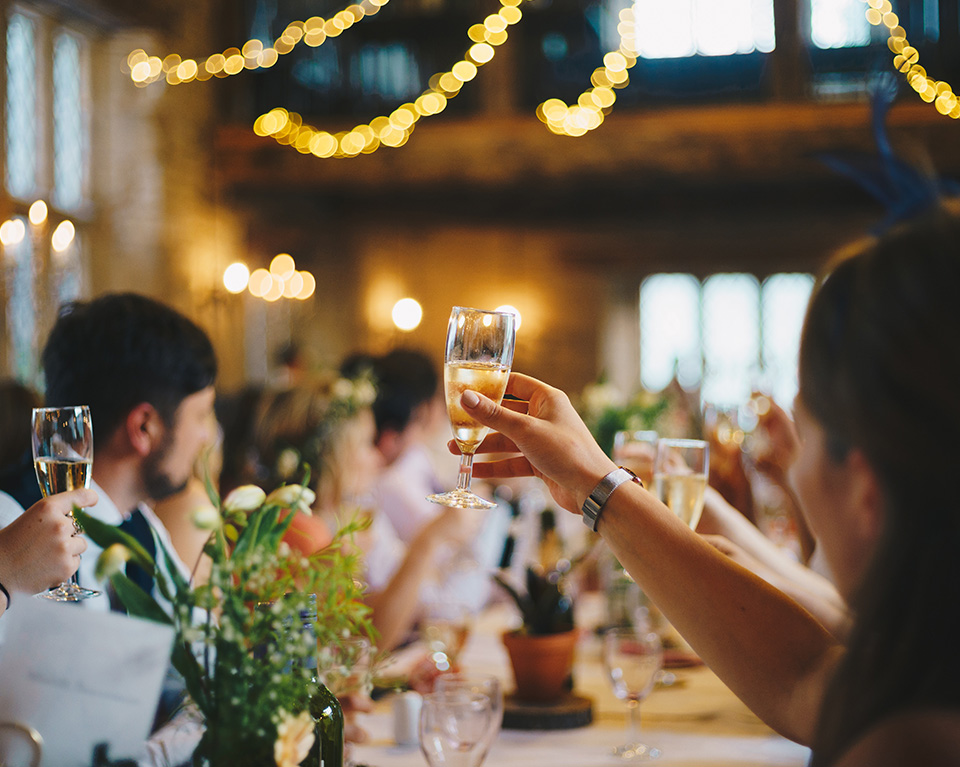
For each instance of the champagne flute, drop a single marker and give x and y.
(636, 450)
(63, 460)
(479, 353)
(680, 476)
(632, 660)
(454, 728)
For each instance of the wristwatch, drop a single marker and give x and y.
(601, 493)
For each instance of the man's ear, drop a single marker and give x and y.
(866, 498)
(145, 428)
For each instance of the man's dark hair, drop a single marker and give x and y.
(405, 379)
(121, 349)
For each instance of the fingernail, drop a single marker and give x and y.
(469, 399)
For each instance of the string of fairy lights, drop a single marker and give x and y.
(906, 59)
(394, 130)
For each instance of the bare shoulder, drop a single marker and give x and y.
(930, 738)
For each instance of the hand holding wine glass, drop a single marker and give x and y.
(632, 659)
(63, 460)
(478, 356)
(680, 477)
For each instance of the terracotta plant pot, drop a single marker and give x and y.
(541, 664)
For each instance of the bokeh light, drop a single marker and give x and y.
(236, 277)
(407, 314)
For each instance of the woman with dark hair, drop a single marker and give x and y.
(878, 415)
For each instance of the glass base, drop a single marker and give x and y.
(68, 592)
(636, 752)
(461, 499)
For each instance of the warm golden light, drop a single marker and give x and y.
(63, 235)
(12, 232)
(406, 314)
(309, 286)
(236, 277)
(282, 266)
(260, 283)
(275, 291)
(293, 285)
(38, 212)
(508, 309)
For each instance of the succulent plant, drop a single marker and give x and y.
(545, 608)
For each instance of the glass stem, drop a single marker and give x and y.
(466, 472)
(633, 721)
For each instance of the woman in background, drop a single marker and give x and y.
(878, 417)
(328, 426)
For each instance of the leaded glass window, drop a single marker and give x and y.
(69, 130)
(21, 306)
(669, 330)
(681, 28)
(839, 24)
(21, 127)
(730, 337)
(729, 334)
(784, 305)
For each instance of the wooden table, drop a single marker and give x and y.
(696, 721)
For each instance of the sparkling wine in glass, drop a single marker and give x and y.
(632, 659)
(454, 727)
(680, 476)
(479, 353)
(63, 460)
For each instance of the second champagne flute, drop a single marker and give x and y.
(63, 459)
(478, 356)
(680, 476)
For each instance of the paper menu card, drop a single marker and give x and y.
(81, 677)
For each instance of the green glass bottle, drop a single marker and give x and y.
(328, 716)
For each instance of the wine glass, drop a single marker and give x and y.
(477, 684)
(444, 627)
(636, 450)
(63, 460)
(632, 660)
(479, 353)
(680, 476)
(454, 727)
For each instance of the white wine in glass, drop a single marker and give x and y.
(478, 356)
(63, 460)
(680, 477)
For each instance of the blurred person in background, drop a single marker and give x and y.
(328, 426)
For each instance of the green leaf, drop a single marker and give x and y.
(137, 601)
(105, 535)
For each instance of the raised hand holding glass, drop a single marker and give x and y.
(478, 356)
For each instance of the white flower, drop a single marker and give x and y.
(287, 463)
(295, 737)
(296, 497)
(244, 498)
(111, 560)
(343, 389)
(366, 392)
(206, 518)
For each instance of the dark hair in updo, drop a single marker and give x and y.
(879, 371)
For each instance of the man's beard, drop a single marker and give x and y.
(156, 481)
